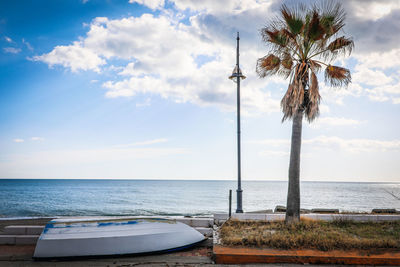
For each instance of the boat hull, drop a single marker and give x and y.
(63, 238)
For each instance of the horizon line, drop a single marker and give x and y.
(198, 179)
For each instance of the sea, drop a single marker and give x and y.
(71, 197)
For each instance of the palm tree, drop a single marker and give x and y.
(301, 42)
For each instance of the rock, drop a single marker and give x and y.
(260, 211)
(303, 211)
(325, 210)
(280, 209)
(392, 211)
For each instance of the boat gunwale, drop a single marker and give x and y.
(110, 220)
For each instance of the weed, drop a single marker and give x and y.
(308, 234)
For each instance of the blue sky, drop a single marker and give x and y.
(139, 89)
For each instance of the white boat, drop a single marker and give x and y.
(113, 236)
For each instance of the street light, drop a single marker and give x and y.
(236, 76)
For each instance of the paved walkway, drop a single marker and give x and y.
(20, 256)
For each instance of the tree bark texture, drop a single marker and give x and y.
(293, 197)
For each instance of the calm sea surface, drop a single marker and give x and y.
(25, 198)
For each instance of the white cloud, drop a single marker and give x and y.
(146, 103)
(333, 121)
(365, 75)
(11, 50)
(384, 93)
(152, 4)
(334, 95)
(382, 60)
(271, 142)
(8, 39)
(150, 142)
(160, 56)
(76, 57)
(128, 70)
(28, 45)
(324, 108)
(373, 24)
(396, 100)
(218, 7)
(374, 9)
(36, 138)
(379, 84)
(182, 81)
(18, 140)
(273, 153)
(163, 59)
(357, 145)
(144, 143)
(88, 156)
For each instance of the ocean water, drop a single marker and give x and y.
(42, 197)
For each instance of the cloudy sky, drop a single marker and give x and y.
(140, 89)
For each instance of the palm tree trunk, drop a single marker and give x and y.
(293, 197)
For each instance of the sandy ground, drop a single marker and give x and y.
(22, 256)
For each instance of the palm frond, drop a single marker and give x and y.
(287, 61)
(292, 100)
(293, 20)
(341, 44)
(315, 66)
(332, 18)
(314, 30)
(275, 37)
(337, 76)
(283, 72)
(299, 39)
(267, 65)
(313, 99)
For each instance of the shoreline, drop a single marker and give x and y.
(277, 210)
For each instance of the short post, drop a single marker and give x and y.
(230, 202)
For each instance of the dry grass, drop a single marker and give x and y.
(307, 234)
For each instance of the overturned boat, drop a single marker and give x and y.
(108, 237)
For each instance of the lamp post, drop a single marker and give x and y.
(236, 76)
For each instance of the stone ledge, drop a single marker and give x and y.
(313, 216)
(208, 242)
(26, 239)
(7, 239)
(18, 239)
(241, 255)
(196, 222)
(208, 232)
(23, 229)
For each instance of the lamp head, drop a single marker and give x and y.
(237, 72)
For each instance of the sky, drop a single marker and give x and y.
(139, 89)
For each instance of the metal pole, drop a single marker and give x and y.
(239, 189)
(230, 203)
